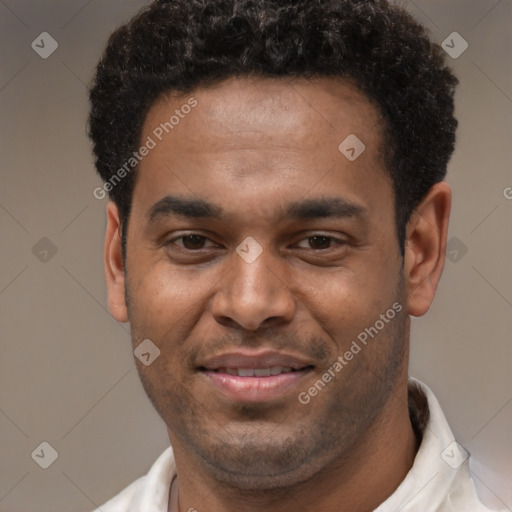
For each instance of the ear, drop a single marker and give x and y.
(114, 265)
(425, 248)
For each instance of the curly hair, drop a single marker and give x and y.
(180, 45)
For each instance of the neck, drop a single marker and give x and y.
(360, 482)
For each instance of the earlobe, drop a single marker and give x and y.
(425, 248)
(114, 265)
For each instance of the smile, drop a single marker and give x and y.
(256, 372)
(249, 376)
(253, 385)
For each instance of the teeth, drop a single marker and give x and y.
(256, 372)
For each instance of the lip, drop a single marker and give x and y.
(255, 359)
(254, 389)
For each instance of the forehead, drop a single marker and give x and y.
(302, 109)
(254, 141)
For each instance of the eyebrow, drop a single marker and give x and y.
(183, 207)
(332, 207)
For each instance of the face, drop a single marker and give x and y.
(258, 255)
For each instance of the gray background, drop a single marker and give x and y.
(67, 371)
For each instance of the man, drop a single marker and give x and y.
(278, 213)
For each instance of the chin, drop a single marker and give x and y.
(269, 467)
(260, 481)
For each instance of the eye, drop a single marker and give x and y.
(191, 242)
(320, 242)
(195, 242)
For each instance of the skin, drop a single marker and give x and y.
(252, 146)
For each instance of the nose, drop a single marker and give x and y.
(253, 295)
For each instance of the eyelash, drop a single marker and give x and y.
(337, 241)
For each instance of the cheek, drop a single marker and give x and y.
(348, 299)
(160, 299)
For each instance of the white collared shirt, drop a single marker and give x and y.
(439, 480)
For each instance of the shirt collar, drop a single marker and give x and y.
(438, 461)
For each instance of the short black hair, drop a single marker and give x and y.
(180, 45)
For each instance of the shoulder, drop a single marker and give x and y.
(440, 479)
(462, 495)
(149, 493)
(126, 499)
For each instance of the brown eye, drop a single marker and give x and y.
(191, 242)
(319, 242)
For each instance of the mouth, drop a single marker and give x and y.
(255, 372)
(255, 377)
